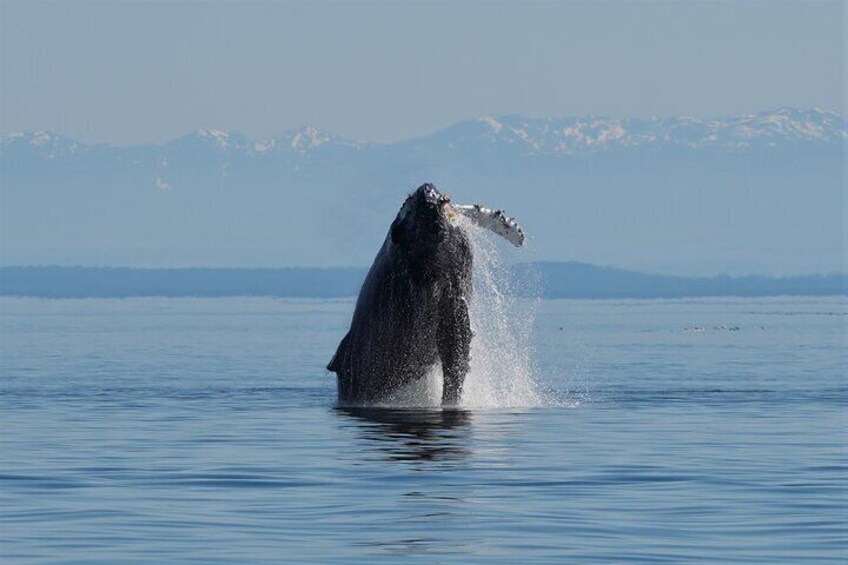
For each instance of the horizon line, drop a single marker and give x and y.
(843, 273)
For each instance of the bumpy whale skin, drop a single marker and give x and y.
(412, 310)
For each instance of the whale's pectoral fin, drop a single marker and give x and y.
(493, 220)
(454, 342)
(337, 362)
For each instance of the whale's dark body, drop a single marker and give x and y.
(412, 310)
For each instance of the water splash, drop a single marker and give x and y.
(502, 369)
(422, 393)
(502, 317)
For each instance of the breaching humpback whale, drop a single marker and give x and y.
(412, 310)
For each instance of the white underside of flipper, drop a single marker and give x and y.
(493, 220)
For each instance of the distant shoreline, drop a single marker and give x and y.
(548, 279)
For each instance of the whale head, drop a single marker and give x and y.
(425, 220)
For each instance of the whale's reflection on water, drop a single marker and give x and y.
(427, 448)
(413, 434)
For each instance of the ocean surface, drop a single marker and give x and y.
(633, 431)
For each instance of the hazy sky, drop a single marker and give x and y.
(129, 72)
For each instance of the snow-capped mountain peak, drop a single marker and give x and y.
(568, 136)
(582, 134)
(45, 143)
(309, 137)
(303, 141)
(12, 136)
(219, 137)
(492, 123)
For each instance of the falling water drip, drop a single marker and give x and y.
(501, 373)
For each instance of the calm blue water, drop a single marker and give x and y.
(204, 431)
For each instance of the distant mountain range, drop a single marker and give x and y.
(532, 136)
(551, 280)
(754, 193)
